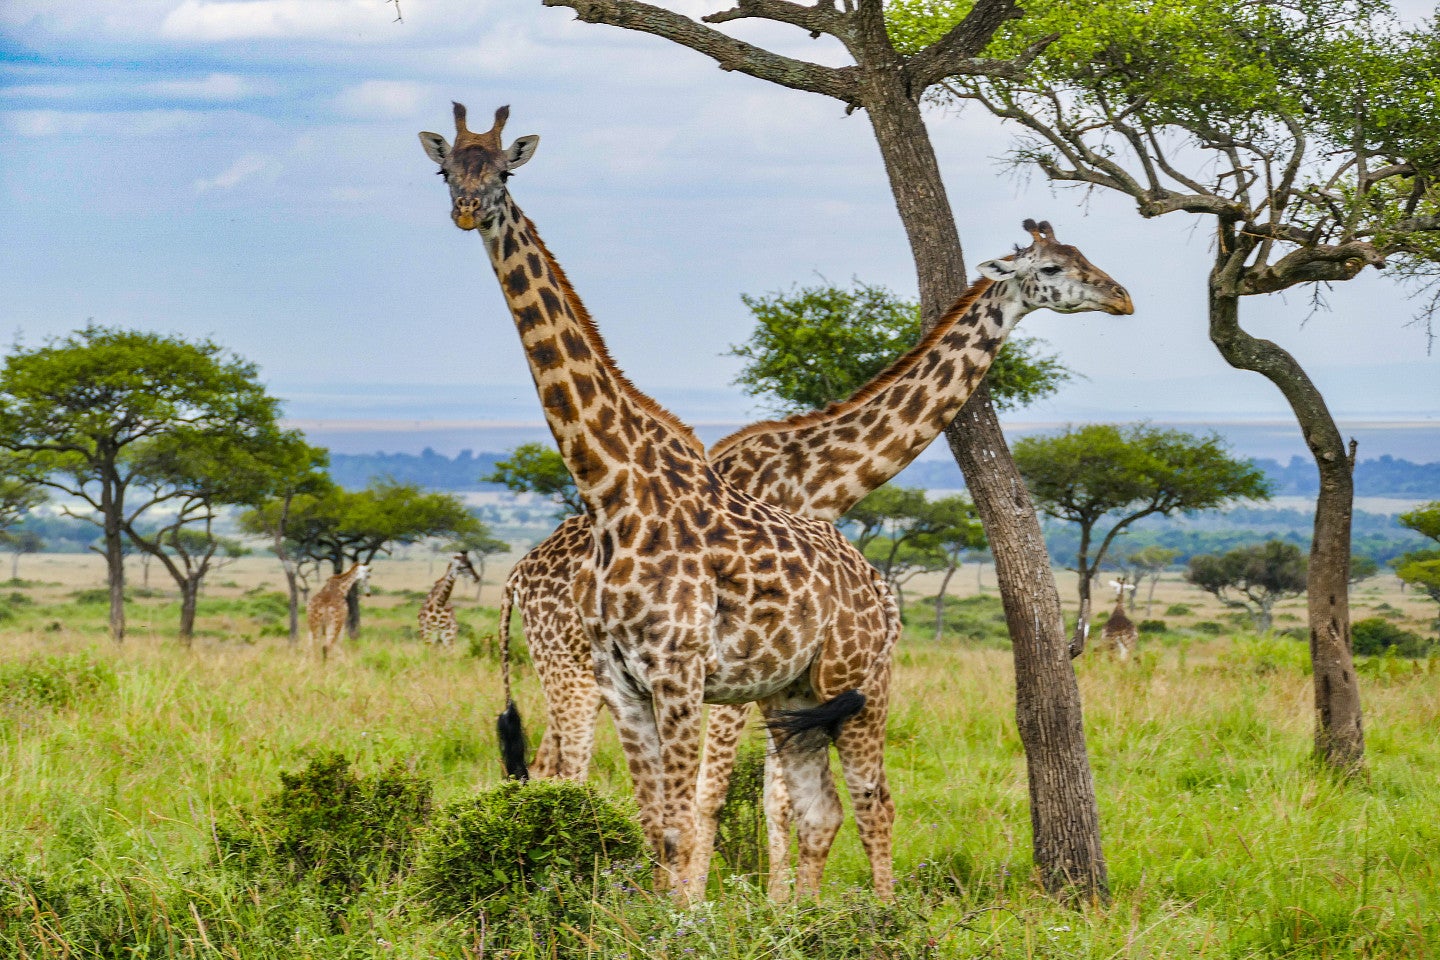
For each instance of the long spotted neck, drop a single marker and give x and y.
(821, 464)
(347, 579)
(615, 440)
(440, 595)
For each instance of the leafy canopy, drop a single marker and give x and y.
(536, 468)
(818, 344)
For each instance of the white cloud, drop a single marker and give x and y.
(216, 86)
(250, 165)
(219, 20)
(123, 123)
(384, 99)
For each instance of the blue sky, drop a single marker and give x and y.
(249, 170)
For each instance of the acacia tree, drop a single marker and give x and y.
(818, 344)
(19, 543)
(480, 544)
(1089, 473)
(1306, 129)
(342, 527)
(1148, 563)
(536, 468)
(1251, 578)
(1421, 568)
(76, 409)
(888, 84)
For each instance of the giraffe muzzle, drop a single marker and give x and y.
(464, 213)
(1119, 304)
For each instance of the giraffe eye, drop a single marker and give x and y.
(1051, 270)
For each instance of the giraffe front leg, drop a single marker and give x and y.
(678, 687)
(634, 713)
(723, 730)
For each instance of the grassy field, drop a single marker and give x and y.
(1222, 839)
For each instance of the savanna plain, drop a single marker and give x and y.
(127, 772)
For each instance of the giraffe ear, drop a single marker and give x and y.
(520, 151)
(437, 148)
(997, 270)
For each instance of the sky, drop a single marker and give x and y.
(248, 170)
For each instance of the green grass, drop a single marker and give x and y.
(1222, 839)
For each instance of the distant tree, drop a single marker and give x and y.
(1089, 473)
(1362, 568)
(815, 345)
(536, 468)
(480, 545)
(959, 536)
(75, 409)
(1252, 578)
(1424, 520)
(1148, 563)
(293, 469)
(1421, 568)
(342, 527)
(904, 534)
(196, 478)
(18, 494)
(20, 542)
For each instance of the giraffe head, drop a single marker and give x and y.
(460, 563)
(476, 168)
(1057, 276)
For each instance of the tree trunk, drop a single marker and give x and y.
(114, 548)
(293, 587)
(1063, 811)
(189, 599)
(940, 601)
(352, 612)
(1339, 732)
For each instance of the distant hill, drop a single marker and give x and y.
(1381, 477)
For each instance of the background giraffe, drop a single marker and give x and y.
(326, 611)
(694, 590)
(437, 615)
(816, 464)
(1120, 635)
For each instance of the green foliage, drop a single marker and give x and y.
(1151, 626)
(740, 832)
(53, 681)
(1267, 653)
(1374, 636)
(329, 826)
(494, 849)
(1252, 578)
(1423, 520)
(815, 345)
(978, 619)
(1179, 610)
(536, 468)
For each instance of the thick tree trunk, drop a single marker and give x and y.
(189, 598)
(114, 547)
(1339, 730)
(1063, 811)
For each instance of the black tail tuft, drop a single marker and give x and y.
(512, 742)
(815, 726)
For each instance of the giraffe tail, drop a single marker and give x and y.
(814, 727)
(508, 725)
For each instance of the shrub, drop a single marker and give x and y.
(53, 681)
(494, 849)
(979, 617)
(92, 597)
(1377, 635)
(1178, 610)
(331, 827)
(740, 826)
(1208, 626)
(1151, 626)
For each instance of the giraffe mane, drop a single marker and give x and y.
(901, 366)
(597, 343)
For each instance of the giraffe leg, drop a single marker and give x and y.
(813, 799)
(635, 721)
(679, 693)
(777, 827)
(547, 756)
(723, 729)
(861, 745)
(577, 741)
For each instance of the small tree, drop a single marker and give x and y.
(959, 537)
(1421, 568)
(536, 468)
(1089, 473)
(20, 542)
(76, 408)
(480, 545)
(1148, 563)
(815, 345)
(1252, 578)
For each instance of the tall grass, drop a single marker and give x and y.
(1222, 839)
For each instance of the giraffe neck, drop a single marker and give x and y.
(821, 463)
(441, 594)
(614, 439)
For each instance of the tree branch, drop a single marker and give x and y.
(729, 53)
(955, 53)
(818, 19)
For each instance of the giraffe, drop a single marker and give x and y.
(437, 616)
(817, 464)
(326, 611)
(1119, 634)
(693, 591)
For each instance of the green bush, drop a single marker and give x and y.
(330, 826)
(1208, 626)
(1178, 610)
(94, 596)
(53, 681)
(740, 826)
(493, 850)
(979, 617)
(1151, 626)
(1376, 635)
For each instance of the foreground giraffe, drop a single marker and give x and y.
(817, 464)
(437, 616)
(326, 611)
(694, 591)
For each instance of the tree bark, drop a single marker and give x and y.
(1339, 729)
(940, 601)
(111, 508)
(1063, 811)
(189, 597)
